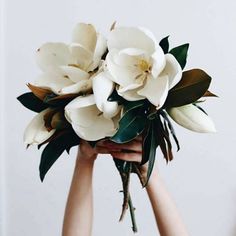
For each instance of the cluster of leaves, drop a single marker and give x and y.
(64, 138)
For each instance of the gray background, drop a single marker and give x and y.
(202, 176)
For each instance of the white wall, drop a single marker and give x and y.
(202, 176)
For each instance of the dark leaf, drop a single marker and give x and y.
(180, 53)
(56, 135)
(193, 85)
(151, 150)
(54, 149)
(136, 104)
(164, 44)
(200, 108)
(115, 97)
(146, 144)
(165, 143)
(171, 128)
(130, 126)
(30, 101)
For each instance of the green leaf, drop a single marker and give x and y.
(135, 104)
(54, 149)
(171, 128)
(150, 149)
(180, 53)
(115, 97)
(131, 125)
(30, 101)
(164, 44)
(192, 86)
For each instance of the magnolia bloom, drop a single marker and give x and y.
(139, 66)
(192, 118)
(67, 68)
(93, 117)
(36, 132)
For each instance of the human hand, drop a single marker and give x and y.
(131, 151)
(87, 153)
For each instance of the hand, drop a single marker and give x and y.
(86, 153)
(131, 151)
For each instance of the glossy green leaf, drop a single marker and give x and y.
(131, 125)
(180, 53)
(150, 149)
(192, 86)
(135, 104)
(54, 149)
(171, 128)
(115, 97)
(164, 44)
(30, 101)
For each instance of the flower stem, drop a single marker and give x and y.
(132, 214)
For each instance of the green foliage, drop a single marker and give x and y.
(132, 123)
(180, 53)
(164, 44)
(54, 149)
(193, 85)
(150, 143)
(30, 101)
(115, 97)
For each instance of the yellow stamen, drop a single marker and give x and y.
(144, 65)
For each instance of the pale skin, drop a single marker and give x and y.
(78, 218)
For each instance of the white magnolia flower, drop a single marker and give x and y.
(89, 121)
(192, 118)
(35, 132)
(66, 67)
(139, 66)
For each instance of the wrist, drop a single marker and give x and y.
(85, 159)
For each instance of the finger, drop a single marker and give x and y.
(134, 145)
(105, 150)
(136, 157)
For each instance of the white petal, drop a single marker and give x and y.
(74, 74)
(122, 75)
(54, 81)
(173, 70)
(52, 54)
(35, 132)
(192, 118)
(155, 90)
(102, 89)
(100, 49)
(79, 87)
(131, 57)
(130, 37)
(85, 35)
(158, 61)
(81, 57)
(87, 120)
(130, 95)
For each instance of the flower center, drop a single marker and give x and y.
(144, 65)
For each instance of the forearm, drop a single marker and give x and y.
(167, 217)
(79, 208)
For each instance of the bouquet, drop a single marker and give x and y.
(116, 88)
